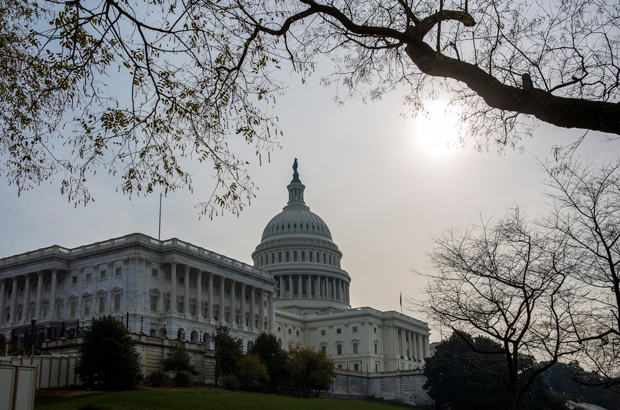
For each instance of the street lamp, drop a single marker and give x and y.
(32, 336)
(141, 320)
(47, 331)
(165, 331)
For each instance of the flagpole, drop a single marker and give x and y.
(401, 303)
(159, 231)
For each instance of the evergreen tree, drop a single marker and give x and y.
(108, 358)
(178, 360)
(228, 352)
(267, 348)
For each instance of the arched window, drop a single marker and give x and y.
(267, 259)
(330, 259)
(324, 258)
(280, 257)
(295, 256)
(295, 225)
(312, 226)
(282, 226)
(306, 225)
(289, 225)
(287, 256)
(310, 256)
(303, 256)
(273, 258)
(318, 259)
(261, 260)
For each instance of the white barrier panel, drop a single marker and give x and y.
(54, 371)
(44, 378)
(17, 387)
(51, 371)
(63, 371)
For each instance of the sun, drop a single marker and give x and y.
(435, 132)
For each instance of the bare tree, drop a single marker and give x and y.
(191, 74)
(586, 210)
(511, 283)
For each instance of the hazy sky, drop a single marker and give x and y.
(370, 174)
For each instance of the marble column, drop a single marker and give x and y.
(2, 299)
(173, 287)
(308, 288)
(290, 288)
(261, 309)
(53, 292)
(252, 307)
(242, 303)
(298, 286)
(39, 294)
(27, 299)
(13, 314)
(185, 271)
(280, 289)
(210, 301)
(272, 312)
(198, 294)
(232, 306)
(222, 305)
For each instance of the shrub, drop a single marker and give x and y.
(230, 382)
(178, 359)
(251, 371)
(182, 378)
(158, 378)
(107, 357)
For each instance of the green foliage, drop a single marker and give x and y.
(178, 360)
(579, 385)
(267, 347)
(462, 379)
(158, 378)
(182, 378)
(252, 372)
(228, 352)
(230, 382)
(2, 343)
(311, 370)
(107, 357)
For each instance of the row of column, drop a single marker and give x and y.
(410, 344)
(317, 286)
(27, 289)
(255, 292)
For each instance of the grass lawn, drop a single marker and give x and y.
(198, 400)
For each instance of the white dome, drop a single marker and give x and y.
(296, 220)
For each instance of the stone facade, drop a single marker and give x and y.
(159, 287)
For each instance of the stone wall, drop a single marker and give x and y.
(152, 350)
(404, 386)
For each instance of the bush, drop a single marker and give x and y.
(251, 371)
(230, 382)
(178, 360)
(182, 378)
(158, 378)
(108, 359)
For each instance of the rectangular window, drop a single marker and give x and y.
(103, 274)
(227, 317)
(226, 293)
(168, 277)
(34, 288)
(166, 305)
(59, 311)
(179, 307)
(118, 271)
(265, 303)
(236, 295)
(247, 298)
(256, 301)
(356, 367)
(340, 366)
(323, 348)
(339, 349)
(192, 284)
(355, 347)
(48, 286)
(375, 348)
(153, 303)
(21, 291)
(180, 280)
(74, 280)
(237, 319)
(247, 321)
(19, 315)
(216, 314)
(322, 332)
(192, 310)
(204, 287)
(354, 329)
(73, 310)
(338, 331)
(89, 278)
(154, 273)
(87, 307)
(32, 313)
(297, 332)
(101, 305)
(117, 303)
(216, 290)
(289, 331)
(203, 311)
(46, 311)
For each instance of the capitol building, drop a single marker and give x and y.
(295, 289)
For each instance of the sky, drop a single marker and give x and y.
(373, 176)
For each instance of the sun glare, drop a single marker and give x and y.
(435, 132)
